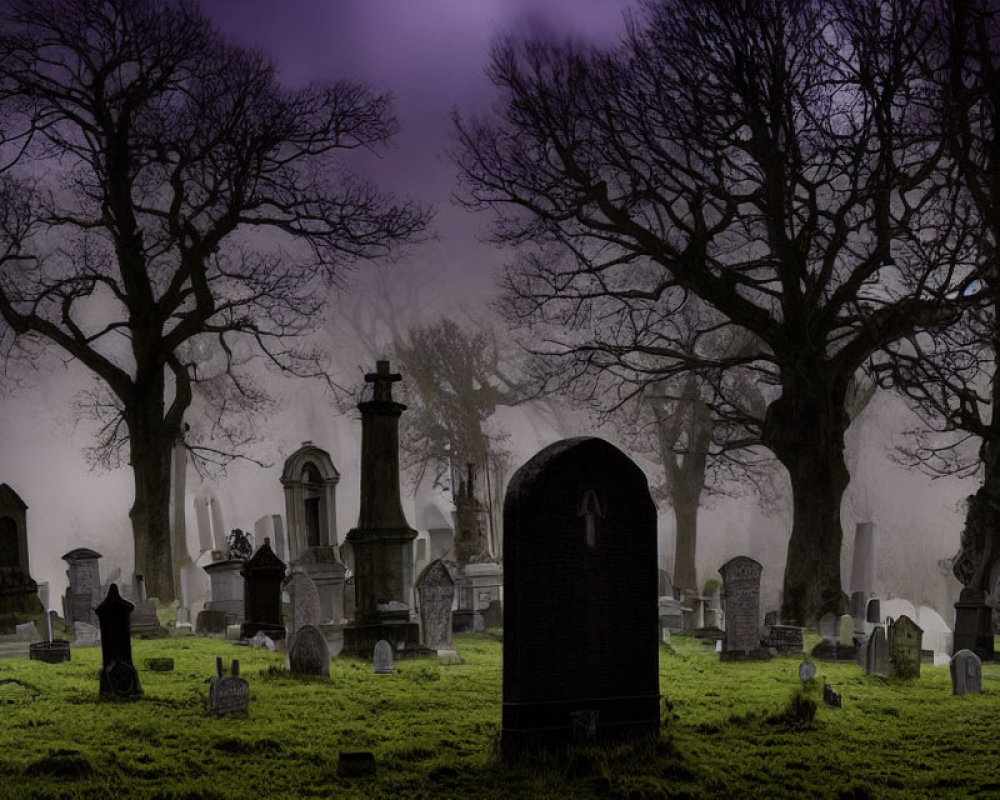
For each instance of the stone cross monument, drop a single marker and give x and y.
(382, 542)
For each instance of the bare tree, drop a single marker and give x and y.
(771, 158)
(145, 156)
(949, 376)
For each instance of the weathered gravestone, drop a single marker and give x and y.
(873, 613)
(845, 635)
(828, 627)
(86, 635)
(580, 648)
(209, 621)
(309, 653)
(435, 593)
(382, 658)
(741, 588)
(786, 639)
(877, 654)
(966, 672)
(119, 678)
(26, 631)
(904, 648)
(84, 590)
(304, 602)
(263, 575)
(228, 695)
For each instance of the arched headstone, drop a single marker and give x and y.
(580, 650)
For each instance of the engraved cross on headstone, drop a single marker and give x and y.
(590, 510)
(383, 380)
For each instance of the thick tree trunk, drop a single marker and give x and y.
(806, 433)
(686, 521)
(980, 547)
(151, 447)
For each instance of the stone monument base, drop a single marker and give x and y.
(973, 626)
(404, 636)
(553, 726)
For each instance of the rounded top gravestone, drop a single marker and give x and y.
(580, 650)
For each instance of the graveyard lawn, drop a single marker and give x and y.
(729, 730)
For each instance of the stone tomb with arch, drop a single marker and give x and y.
(310, 480)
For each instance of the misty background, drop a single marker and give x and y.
(431, 56)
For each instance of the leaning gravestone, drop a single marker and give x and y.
(580, 646)
(228, 695)
(119, 678)
(304, 602)
(741, 588)
(904, 648)
(382, 659)
(966, 672)
(309, 653)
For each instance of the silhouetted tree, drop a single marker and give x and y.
(145, 154)
(771, 158)
(950, 376)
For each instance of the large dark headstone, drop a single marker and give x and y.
(119, 678)
(580, 651)
(18, 591)
(263, 575)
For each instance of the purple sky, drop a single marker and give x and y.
(431, 55)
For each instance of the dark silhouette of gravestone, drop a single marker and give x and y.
(877, 653)
(974, 624)
(119, 678)
(309, 653)
(263, 574)
(580, 648)
(382, 542)
(19, 600)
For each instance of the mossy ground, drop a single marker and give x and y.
(729, 730)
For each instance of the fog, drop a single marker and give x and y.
(431, 56)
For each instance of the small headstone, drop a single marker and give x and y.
(786, 639)
(383, 658)
(209, 621)
(845, 637)
(261, 639)
(874, 612)
(966, 673)
(828, 627)
(309, 653)
(355, 765)
(86, 635)
(263, 574)
(832, 697)
(807, 671)
(144, 621)
(119, 678)
(228, 695)
(877, 654)
(904, 648)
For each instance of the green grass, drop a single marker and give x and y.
(729, 730)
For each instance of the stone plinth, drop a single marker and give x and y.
(227, 587)
(974, 625)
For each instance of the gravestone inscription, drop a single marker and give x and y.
(741, 588)
(228, 694)
(436, 591)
